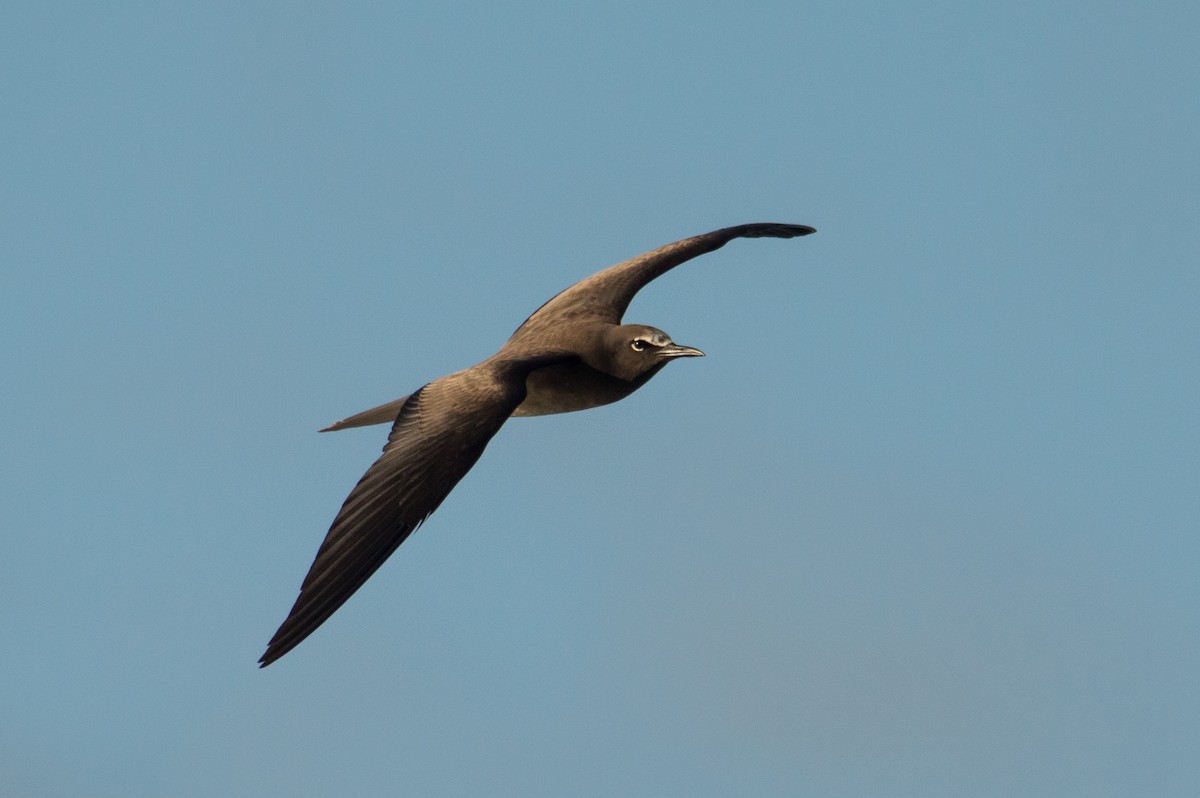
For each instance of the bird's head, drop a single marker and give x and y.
(637, 350)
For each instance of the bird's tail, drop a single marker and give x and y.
(384, 414)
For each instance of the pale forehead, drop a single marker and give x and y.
(652, 335)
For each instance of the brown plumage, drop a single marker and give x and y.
(573, 353)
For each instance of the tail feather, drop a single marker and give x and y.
(384, 414)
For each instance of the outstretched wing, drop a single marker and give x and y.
(441, 431)
(606, 295)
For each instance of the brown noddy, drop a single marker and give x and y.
(571, 354)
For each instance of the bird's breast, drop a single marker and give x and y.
(568, 387)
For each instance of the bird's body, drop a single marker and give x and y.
(573, 353)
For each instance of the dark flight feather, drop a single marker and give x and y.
(441, 432)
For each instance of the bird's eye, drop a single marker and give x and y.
(638, 344)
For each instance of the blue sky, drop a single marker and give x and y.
(924, 522)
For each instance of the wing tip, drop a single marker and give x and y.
(270, 655)
(275, 652)
(776, 230)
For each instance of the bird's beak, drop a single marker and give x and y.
(672, 351)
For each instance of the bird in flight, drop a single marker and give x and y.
(571, 354)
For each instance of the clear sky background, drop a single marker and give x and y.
(923, 523)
